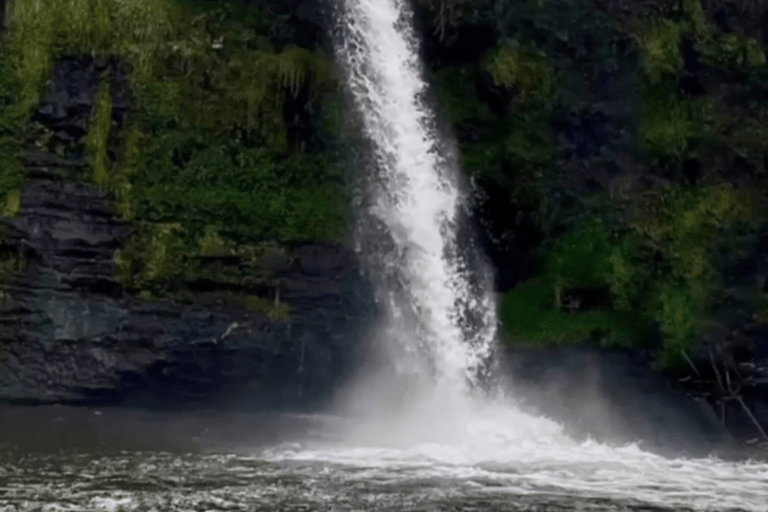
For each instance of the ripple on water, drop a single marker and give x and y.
(303, 481)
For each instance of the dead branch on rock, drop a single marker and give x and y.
(685, 355)
(729, 392)
(752, 417)
(717, 373)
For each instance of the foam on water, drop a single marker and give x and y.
(503, 450)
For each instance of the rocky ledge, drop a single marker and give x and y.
(70, 333)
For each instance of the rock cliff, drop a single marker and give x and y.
(69, 331)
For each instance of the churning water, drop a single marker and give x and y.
(416, 437)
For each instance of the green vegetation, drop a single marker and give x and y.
(660, 46)
(674, 290)
(622, 144)
(530, 318)
(627, 142)
(209, 146)
(42, 31)
(98, 135)
(525, 68)
(12, 117)
(671, 126)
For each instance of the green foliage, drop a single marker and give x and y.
(679, 312)
(728, 50)
(40, 31)
(151, 260)
(734, 51)
(457, 95)
(660, 44)
(12, 265)
(680, 222)
(206, 148)
(12, 117)
(528, 317)
(585, 258)
(276, 310)
(523, 67)
(675, 292)
(248, 193)
(98, 135)
(530, 142)
(670, 127)
(247, 91)
(581, 258)
(163, 260)
(227, 162)
(623, 273)
(682, 226)
(12, 203)
(660, 49)
(659, 245)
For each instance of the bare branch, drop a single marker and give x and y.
(752, 417)
(717, 372)
(685, 355)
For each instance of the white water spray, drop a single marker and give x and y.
(416, 198)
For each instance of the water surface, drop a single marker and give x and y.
(171, 462)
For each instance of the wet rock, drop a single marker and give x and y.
(70, 334)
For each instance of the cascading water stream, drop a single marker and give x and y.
(426, 276)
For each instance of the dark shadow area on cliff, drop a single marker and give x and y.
(613, 396)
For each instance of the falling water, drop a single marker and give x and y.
(439, 311)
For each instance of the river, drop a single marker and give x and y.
(79, 459)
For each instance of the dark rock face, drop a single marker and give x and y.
(614, 396)
(68, 333)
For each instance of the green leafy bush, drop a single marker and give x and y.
(529, 317)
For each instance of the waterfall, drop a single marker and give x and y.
(424, 421)
(440, 313)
